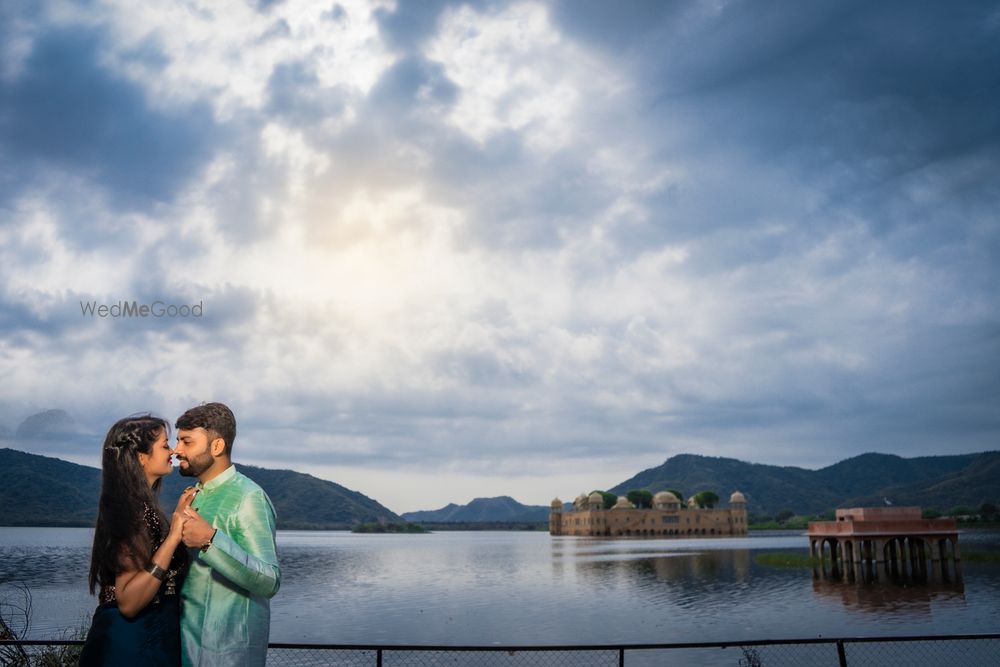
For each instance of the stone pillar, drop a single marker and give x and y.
(834, 557)
(942, 551)
(881, 561)
(893, 558)
(915, 568)
(905, 566)
(957, 557)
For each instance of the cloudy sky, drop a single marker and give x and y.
(458, 249)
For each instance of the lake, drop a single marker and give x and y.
(531, 588)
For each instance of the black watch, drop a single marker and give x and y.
(205, 546)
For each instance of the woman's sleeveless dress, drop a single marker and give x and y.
(153, 636)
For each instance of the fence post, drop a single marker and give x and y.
(841, 654)
(621, 657)
(378, 657)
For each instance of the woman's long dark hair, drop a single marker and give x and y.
(125, 493)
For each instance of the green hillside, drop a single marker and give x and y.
(940, 482)
(44, 491)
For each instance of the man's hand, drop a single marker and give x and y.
(178, 518)
(197, 532)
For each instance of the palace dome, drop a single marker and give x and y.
(737, 497)
(622, 504)
(595, 497)
(692, 502)
(556, 503)
(665, 498)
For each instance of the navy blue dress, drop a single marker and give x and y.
(153, 636)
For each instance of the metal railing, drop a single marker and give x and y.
(959, 650)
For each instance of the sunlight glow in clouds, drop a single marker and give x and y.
(462, 248)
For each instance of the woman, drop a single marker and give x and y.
(136, 561)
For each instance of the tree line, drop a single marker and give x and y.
(643, 498)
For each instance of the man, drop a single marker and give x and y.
(226, 615)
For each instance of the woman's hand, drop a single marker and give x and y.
(178, 519)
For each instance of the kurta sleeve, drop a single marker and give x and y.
(248, 557)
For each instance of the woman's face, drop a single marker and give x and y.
(157, 462)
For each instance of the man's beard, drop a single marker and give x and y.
(197, 465)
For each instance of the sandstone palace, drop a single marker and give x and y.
(667, 518)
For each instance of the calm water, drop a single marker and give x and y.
(530, 588)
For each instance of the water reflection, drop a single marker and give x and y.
(914, 600)
(529, 588)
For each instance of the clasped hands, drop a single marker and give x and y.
(187, 524)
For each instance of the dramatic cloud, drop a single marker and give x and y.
(452, 249)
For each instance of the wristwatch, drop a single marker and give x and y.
(205, 546)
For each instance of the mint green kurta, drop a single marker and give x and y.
(226, 613)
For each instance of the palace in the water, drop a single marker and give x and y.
(667, 518)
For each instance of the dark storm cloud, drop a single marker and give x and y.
(855, 93)
(615, 26)
(66, 111)
(850, 96)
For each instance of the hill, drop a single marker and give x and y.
(941, 482)
(44, 491)
(483, 510)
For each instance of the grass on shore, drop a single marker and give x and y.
(981, 557)
(791, 524)
(784, 559)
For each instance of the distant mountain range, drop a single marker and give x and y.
(44, 491)
(940, 482)
(483, 510)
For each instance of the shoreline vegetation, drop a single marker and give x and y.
(485, 525)
(15, 622)
(388, 527)
(785, 559)
(441, 526)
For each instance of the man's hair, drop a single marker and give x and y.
(215, 418)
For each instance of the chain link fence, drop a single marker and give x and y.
(941, 650)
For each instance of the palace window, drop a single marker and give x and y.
(671, 519)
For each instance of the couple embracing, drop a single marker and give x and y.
(193, 589)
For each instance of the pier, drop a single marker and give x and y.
(882, 543)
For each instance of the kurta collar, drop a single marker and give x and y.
(218, 480)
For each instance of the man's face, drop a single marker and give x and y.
(193, 451)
